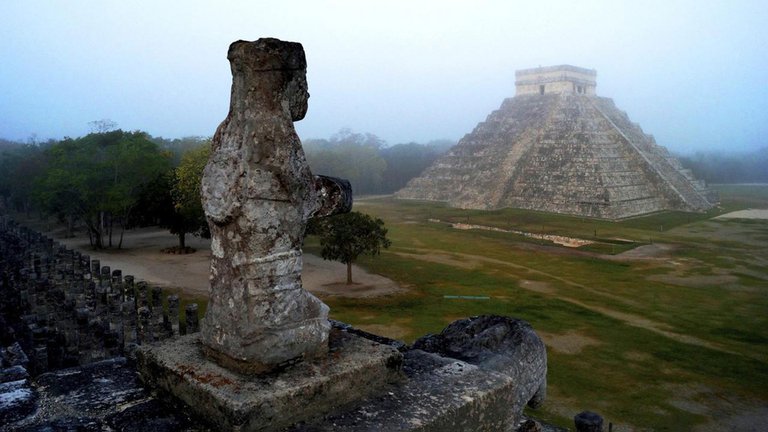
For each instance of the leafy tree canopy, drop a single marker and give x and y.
(368, 163)
(98, 178)
(345, 237)
(720, 167)
(179, 146)
(349, 155)
(189, 216)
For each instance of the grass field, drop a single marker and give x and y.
(671, 335)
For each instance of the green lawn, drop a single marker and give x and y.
(656, 343)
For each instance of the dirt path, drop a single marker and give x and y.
(142, 258)
(464, 260)
(746, 214)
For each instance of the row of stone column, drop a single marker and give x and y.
(66, 309)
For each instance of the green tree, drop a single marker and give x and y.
(20, 165)
(98, 179)
(733, 167)
(189, 217)
(406, 161)
(61, 189)
(179, 146)
(102, 126)
(349, 155)
(368, 163)
(345, 237)
(134, 162)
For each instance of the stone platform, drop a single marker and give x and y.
(476, 375)
(440, 395)
(354, 369)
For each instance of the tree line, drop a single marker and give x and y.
(112, 180)
(368, 163)
(107, 181)
(719, 167)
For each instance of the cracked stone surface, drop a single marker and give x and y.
(258, 194)
(101, 396)
(477, 374)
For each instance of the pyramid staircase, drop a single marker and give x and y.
(563, 153)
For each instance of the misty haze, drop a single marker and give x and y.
(559, 216)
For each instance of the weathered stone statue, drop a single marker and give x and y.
(258, 194)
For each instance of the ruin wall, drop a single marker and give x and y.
(555, 79)
(60, 308)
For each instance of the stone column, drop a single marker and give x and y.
(190, 317)
(95, 268)
(172, 316)
(145, 325)
(117, 283)
(129, 293)
(130, 326)
(85, 263)
(141, 288)
(258, 194)
(157, 313)
(105, 279)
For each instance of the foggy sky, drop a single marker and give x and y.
(694, 74)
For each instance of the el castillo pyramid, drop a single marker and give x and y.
(557, 147)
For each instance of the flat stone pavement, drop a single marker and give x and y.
(101, 396)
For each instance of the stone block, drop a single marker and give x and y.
(17, 400)
(98, 397)
(476, 375)
(353, 369)
(13, 373)
(440, 395)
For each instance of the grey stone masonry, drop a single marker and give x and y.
(476, 375)
(258, 194)
(64, 309)
(562, 153)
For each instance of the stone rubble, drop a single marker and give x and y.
(557, 239)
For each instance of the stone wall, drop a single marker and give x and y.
(555, 79)
(59, 308)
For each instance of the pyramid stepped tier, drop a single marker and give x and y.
(564, 153)
(460, 171)
(692, 192)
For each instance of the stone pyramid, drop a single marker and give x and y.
(557, 147)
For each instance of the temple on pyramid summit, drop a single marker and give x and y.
(558, 147)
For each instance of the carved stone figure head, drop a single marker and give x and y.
(283, 73)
